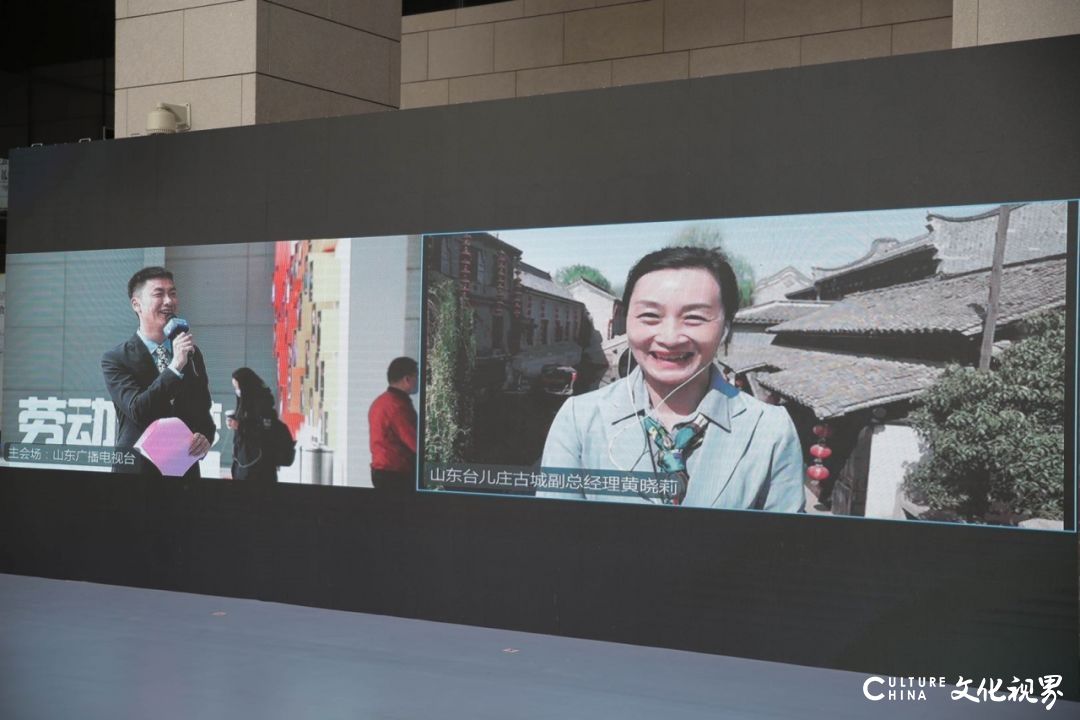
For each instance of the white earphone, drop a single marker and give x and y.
(648, 413)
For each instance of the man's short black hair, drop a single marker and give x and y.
(147, 273)
(673, 258)
(401, 368)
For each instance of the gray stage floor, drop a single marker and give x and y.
(84, 651)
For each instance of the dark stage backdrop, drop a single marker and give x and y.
(978, 125)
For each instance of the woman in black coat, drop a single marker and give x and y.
(253, 423)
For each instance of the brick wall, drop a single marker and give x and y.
(531, 47)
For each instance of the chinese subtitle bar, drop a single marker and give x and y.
(506, 478)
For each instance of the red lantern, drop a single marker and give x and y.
(823, 431)
(817, 472)
(821, 451)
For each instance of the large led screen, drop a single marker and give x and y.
(905, 364)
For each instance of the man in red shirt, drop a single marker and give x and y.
(392, 428)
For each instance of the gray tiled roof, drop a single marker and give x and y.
(922, 243)
(965, 243)
(880, 249)
(1035, 230)
(596, 288)
(833, 384)
(953, 304)
(543, 283)
(744, 357)
(794, 271)
(777, 311)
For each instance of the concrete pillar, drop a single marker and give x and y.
(243, 62)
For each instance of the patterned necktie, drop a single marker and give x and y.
(673, 449)
(162, 357)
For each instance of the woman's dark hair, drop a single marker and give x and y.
(674, 258)
(256, 402)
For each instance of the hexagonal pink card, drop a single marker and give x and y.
(165, 443)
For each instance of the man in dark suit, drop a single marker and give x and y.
(151, 377)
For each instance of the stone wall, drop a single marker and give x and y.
(240, 62)
(530, 47)
(984, 22)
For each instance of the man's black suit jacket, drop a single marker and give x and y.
(142, 395)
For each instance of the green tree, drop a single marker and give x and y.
(567, 275)
(705, 235)
(451, 361)
(996, 440)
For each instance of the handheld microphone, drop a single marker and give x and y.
(174, 327)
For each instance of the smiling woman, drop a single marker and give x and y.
(674, 416)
